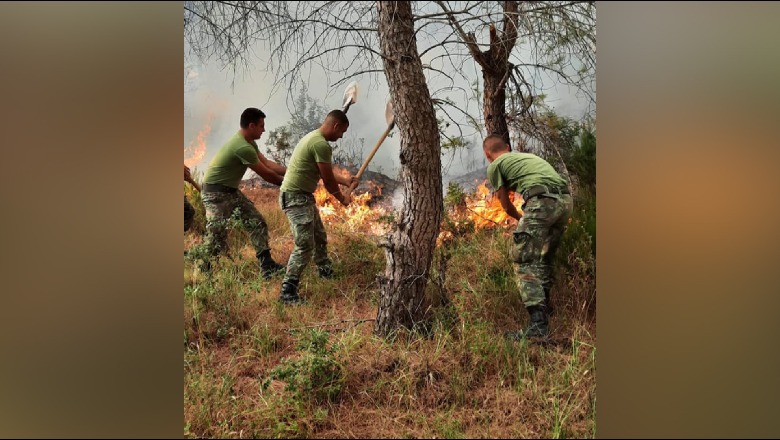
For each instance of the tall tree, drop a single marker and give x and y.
(526, 41)
(409, 250)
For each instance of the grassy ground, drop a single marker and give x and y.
(255, 368)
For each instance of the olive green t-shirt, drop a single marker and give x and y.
(229, 165)
(303, 173)
(520, 171)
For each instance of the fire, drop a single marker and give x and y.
(358, 216)
(486, 211)
(479, 211)
(197, 148)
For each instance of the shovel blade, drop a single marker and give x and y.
(350, 94)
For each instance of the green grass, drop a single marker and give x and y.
(251, 368)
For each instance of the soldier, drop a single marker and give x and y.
(546, 210)
(310, 161)
(221, 196)
(189, 211)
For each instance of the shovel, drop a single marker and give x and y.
(350, 95)
(390, 118)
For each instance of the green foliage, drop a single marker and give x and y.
(307, 116)
(316, 374)
(455, 197)
(576, 258)
(583, 158)
(280, 142)
(450, 143)
(576, 143)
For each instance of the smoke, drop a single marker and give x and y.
(398, 198)
(211, 89)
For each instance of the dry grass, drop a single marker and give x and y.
(462, 381)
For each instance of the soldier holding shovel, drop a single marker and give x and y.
(311, 161)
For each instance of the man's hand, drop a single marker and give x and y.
(188, 178)
(509, 207)
(343, 177)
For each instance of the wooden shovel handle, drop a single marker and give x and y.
(370, 156)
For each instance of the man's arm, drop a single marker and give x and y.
(188, 178)
(273, 166)
(343, 177)
(332, 184)
(266, 173)
(503, 196)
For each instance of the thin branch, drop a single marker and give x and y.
(468, 39)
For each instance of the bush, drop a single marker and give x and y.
(316, 375)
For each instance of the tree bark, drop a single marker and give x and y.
(494, 99)
(411, 244)
(496, 71)
(494, 63)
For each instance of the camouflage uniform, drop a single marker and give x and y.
(308, 234)
(189, 214)
(220, 206)
(536, 238)
(545, 215)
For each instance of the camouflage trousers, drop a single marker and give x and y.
(189, 214)
(536, 238)
(220, 207)
(308, 233)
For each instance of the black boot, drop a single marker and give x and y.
(325, 272)
(289, 293)
(268, 266)
(537, 324)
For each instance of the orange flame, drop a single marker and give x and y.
(197, 148)
(358, 216)
(486, 211)
(482, 210)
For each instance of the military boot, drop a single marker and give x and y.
(537, 325)
(268, 266)
(289, 293)
(325, 272)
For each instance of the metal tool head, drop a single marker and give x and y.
(350, 95)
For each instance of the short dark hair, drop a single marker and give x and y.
(339, 116)
(251, 115)
(495, 142)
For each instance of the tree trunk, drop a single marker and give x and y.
(410, 246)
(495, 99)
(495, 65)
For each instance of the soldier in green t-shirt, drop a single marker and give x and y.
(221, 196)
(546, 210)
(310, 162)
